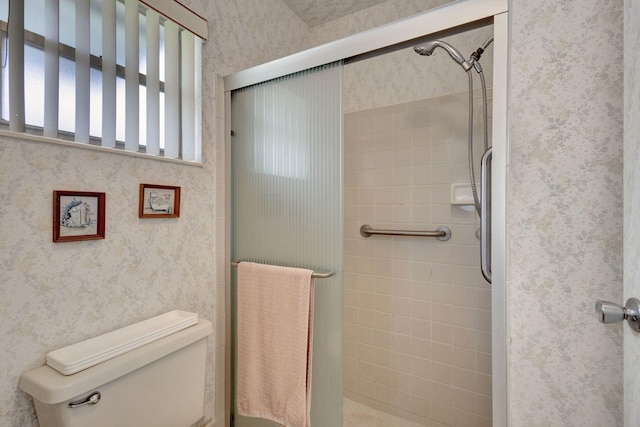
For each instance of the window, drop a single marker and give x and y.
(281, 131)
(116, 73)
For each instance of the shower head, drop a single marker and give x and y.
(426, 49)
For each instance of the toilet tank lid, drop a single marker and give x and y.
(80, 356)
(51, 387)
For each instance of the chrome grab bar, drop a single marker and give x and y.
(485, 220)
(442, 233)
(314, 275)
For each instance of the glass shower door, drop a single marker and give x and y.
(287, 197)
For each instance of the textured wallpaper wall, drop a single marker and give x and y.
(383, 13)
(53, 295)
(565, 212)
(405, 76)
(402, 76)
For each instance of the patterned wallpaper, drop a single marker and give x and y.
(402, 76)
(52, 295)
(372, 17)
(405, 76)
(316, 12)
(565, 212)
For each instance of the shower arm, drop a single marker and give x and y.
(474, 59)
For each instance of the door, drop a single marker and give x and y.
(609, 312)
(631, 206)
(286, 168)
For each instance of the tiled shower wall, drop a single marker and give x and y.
(417, 310)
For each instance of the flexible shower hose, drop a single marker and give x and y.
(472, 175)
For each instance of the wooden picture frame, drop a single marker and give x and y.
(78, 215)
(159, 201)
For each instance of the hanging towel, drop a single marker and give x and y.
(275, 341)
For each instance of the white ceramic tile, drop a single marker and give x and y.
(464, 358)
(414, 282)
(384, 303)
(463, 337)
(422, 289)
(402, 287)
(350, 332)
(384, 176)
(384, 321)
(402, 139)
(422, 137)
(366, 336)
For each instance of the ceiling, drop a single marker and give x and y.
(316, 12)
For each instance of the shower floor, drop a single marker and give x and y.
(359, 415)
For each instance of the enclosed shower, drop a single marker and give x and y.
(409, 320)
(417, 329)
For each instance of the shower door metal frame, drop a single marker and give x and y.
(438, 22)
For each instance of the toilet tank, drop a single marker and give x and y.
(159, 383)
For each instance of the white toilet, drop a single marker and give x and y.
(134, 378)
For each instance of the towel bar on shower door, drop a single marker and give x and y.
(442, 233)
(314, 275)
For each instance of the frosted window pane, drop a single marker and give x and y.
(34, 19)
(5, 93)
(68, 17)
(161, 57)
(95, 110)
(162, 120)
(4, 10)
(120, 107)
(95, 11)
(281, 147)
(142, 45)
(142, 120)
(34, 89)
(67, 102)
(143, 116)
(120, 49)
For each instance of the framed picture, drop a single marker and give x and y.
(78, 215)
(159, 201)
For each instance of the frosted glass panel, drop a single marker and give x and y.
(287, 204)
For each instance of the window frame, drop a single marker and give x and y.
(66, 52)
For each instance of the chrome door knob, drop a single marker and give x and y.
(609, 312)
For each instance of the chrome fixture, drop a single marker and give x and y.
(442, 233)
(92, 399)
(314, 274)
(609, 312)
(427, 49)
(485, 219)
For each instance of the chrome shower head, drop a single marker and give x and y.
(426, 49)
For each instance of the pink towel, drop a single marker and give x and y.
(275, 341)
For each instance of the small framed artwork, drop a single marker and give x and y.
(78, 215)
(159, 201)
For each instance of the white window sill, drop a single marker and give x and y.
(38, 138)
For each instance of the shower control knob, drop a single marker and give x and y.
(609, 312)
